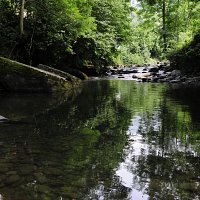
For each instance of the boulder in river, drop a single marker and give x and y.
(141, 75)
(154, 69)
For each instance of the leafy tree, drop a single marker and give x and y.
(178, 20)
(92, 34)
(53, 32)
(50, 27)
(113, 28)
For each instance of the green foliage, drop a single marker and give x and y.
(74, 33)
(181, 24)
(92, 34)
(90, 132)
(8, 26)
(50, 28)
(113, 28)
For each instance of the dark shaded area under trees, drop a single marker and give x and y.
(188, 58)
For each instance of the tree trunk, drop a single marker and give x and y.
(164, 25)
(21, 15)
(176, 22)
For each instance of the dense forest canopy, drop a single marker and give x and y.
(95, 33)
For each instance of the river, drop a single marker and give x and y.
(113, 139)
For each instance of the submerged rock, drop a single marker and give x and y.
(134, 71)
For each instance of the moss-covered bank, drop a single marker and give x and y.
(15, 76)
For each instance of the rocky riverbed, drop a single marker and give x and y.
(159, 73)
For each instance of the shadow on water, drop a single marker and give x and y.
(67, 150)
(189, 97)
(113, 140)
(20, 106)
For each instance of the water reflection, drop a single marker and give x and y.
(115, 140)
(22, 106)
(162, 157)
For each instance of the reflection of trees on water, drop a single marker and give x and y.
(188, 96)
(21, 106)
(74, 150)
(68, 151)
(168, 157)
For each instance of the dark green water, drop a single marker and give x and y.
(114, 139)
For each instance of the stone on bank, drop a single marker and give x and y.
(18, 77)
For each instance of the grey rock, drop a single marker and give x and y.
(134, 71)
(163, 80)
(154, 69)
(176, 73)
(183, 79)
(162, 76)
(175, 81)
(155, 79)
(144, 79)
(145, 69)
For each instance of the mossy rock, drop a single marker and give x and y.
(15, 76)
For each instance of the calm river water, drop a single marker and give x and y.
(112, 139)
